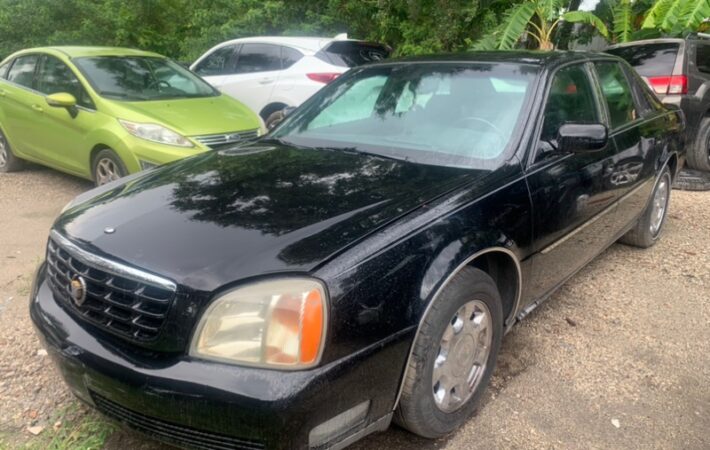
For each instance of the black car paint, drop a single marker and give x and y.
(382, 253)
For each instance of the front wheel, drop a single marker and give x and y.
(698, 156)
(453, 357)
(107, 166)
(648, 229)
(8, 161)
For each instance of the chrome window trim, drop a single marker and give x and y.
(466, 262)
(113, 267)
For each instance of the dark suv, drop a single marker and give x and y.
(678, 71)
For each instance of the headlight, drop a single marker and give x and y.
(155, 133)
(278, 324)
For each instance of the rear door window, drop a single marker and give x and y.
(617, 93)
(219, 62)
(649, 60)
(703, 58)
(22, 71)
(352, 54)
(259, 58)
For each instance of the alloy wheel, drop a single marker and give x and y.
(660, 204)
(463, 354)
(3, 152)
(106, 171)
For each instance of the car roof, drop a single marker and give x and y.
(527, 57)
(77, 51)
(308, 44)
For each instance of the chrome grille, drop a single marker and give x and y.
(224, 139)
(134, 307)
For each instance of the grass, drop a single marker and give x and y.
(79, 429)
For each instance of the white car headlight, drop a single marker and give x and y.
(155, 133)
(276, 324)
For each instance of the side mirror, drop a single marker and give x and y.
(582, 137)
(61, 100)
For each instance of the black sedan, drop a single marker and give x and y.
(362, 262)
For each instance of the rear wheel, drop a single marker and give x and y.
(107, 166)
(453, 356)
(698, 156)
(8, 161)
(648, 229)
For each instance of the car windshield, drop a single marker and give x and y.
(456, 115)
(136, 78)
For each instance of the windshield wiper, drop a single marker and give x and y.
(122, 95)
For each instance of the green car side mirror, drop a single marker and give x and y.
(61, 100)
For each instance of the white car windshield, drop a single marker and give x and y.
(448, 114)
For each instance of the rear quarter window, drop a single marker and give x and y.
(703, 58)
(650, 59)
(352, 54)
(3, 69)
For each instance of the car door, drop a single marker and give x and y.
(636, 130)
(256, 73)
(63, 140)
(574, 213)
(217, 67)
(21, 105)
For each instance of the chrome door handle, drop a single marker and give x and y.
(37, 108)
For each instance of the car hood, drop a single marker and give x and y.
(193, 116)
(224, 216)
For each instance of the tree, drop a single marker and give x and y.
(538, 20)
(676, 17)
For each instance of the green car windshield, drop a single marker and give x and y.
(141, 78)
(456, 115)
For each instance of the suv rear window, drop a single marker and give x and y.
(351, 54)
(649, 60)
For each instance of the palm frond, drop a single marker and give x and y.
(515, 22)
(588, 18)
(623, 21)
(692, 13)
(673, 15)
(657, 13)
(487, 42)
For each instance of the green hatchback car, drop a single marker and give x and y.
(102, 113)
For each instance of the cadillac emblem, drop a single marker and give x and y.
(78, 290)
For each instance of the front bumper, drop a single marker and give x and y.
(201, 404)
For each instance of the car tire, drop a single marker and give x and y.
(650, 225)
(423, 408)
(107, 166)
(8, 161)
(692, 180)
(698, 156)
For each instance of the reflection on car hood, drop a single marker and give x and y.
(225, 216)
(196, 116)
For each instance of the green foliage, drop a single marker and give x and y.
(184, 29)
(587, 17)
(515, 25)
(79, 429)
(623, 26)
(677, 17)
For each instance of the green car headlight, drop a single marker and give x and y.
(155, 133)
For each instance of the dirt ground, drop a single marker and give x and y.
(619, 358)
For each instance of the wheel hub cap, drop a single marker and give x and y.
(660, 203)
(3, 153)
(106, 171)
(462, 356)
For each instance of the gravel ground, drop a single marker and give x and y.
(618, 358)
